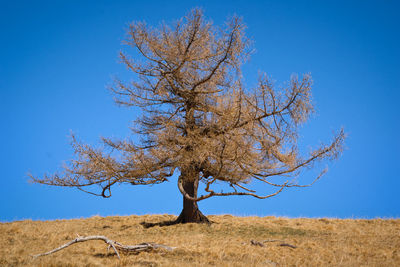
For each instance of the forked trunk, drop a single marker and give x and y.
(190, 211)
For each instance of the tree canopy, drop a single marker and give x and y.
(199, 120)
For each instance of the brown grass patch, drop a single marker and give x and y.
(319, 242)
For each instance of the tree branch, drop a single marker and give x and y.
(115, 245)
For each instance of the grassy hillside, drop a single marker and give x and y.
(227, 242)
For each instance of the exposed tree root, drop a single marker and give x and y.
(199, 218)
(196, 217)
(111, 243)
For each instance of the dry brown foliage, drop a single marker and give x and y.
(199, 119)
(227, 242)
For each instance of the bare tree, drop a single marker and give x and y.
(199, 120)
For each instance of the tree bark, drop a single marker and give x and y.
(190, 212)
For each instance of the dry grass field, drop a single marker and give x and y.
(227, 242)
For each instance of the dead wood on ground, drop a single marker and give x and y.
(261, 243)
(111, 244)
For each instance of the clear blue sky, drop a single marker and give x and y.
(57, 57)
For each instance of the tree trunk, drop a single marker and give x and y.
(190, 179)
(190, 211)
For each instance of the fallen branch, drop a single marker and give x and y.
(111, 243)
(261, 244)
(256, 243)
(287, 245)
